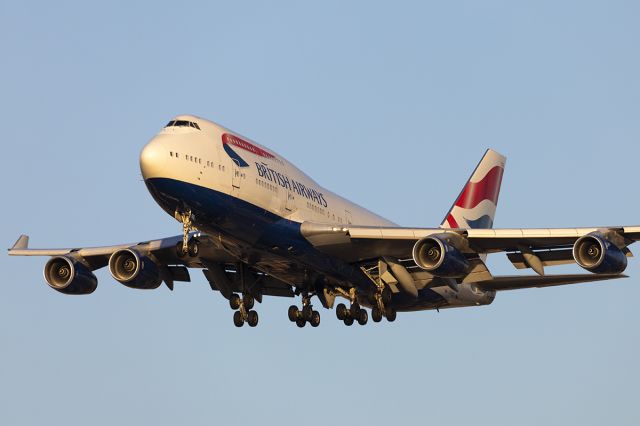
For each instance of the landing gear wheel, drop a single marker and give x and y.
(252, 318)
(390, 314)
(363, 317)
(237, 319)
(300, 322)
(376, 314)
(341, 311)
(293, 313)
(248, 301)
(348, 321)
(179, 251)
(307, 312)
(193, 247)
(234, 301)
(355, 309)
(315, 319)
(386, 296)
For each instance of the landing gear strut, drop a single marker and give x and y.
(243, 312)
(188, 245)
(304, 315)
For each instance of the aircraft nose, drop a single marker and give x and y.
(153, 159)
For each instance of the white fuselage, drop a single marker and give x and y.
(265, 179)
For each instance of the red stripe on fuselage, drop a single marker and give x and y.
(486, 189)
(247, 146)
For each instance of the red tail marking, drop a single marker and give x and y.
(486, 189)
(452, 221)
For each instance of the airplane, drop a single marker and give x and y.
(256, 225)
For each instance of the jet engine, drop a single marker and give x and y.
(68, 276)
(134, 270)
(438, 256)
(595, 253)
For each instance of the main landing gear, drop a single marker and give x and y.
(352, 314)
(190, 246)
(382, 305)
(243, 312)
(305, 315)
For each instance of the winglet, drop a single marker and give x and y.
(22, 243)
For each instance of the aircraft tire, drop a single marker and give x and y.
(252, 318)
(391, 314)
(179, 251)
(300, 322)
(386, 295)
(315, 319)
(248, 301)
(354, 310)
(348, 321)
(341, 311)
(363, 317)
(234, 301)
(193, 247)
(376, 314)
(307, 313)
(238, 321)
(293, 313)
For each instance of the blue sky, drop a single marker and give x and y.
(389, 104)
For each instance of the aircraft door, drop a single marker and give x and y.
(347, 217)
(236, 176)
(290, 201)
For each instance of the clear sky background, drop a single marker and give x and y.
(390, 105)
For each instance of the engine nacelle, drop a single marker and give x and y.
(130, 268)
(595, 253)
(68, 276)
(436, 255)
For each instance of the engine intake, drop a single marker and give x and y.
(436, 255)
(68, 276)
(128, 267)
(595, 253)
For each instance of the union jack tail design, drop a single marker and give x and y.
(476, 205)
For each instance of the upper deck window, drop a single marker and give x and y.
(182, 123)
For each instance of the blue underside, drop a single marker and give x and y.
(260, 230)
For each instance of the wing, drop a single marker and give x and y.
(163, 250)
(160, 261)
(525, 248)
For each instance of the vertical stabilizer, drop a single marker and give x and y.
(476, 205)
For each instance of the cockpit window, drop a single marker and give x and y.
(183, 123)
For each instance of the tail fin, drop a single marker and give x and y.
(476, 205)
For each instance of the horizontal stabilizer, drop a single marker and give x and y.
(22, 243)
(532, 281)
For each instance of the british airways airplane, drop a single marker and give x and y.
(258, 226)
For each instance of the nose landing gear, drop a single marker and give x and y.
(188, 245)
(243, 312)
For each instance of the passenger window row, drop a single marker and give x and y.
(266, 185)
(195, 160)
(316, 209)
